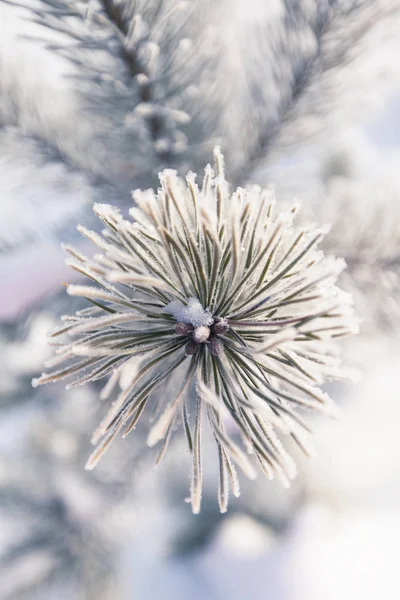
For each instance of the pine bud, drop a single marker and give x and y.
(191, 347)
(220, 326)
(215, 346)
(201, 334)
(183, 328)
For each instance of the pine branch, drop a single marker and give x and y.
(138, 66)
(307, 54)
(50, 175)
(366, 232)
(61, 538)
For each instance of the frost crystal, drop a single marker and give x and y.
(214, 307)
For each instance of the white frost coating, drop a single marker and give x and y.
(193, 313)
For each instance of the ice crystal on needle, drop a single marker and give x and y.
(219, 298)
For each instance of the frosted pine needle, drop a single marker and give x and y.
(220, 303)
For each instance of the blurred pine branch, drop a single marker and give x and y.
(366, 232)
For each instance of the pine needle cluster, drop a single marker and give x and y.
(207, 306)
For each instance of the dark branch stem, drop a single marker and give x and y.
(115, 13)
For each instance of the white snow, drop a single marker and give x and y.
(193, 313)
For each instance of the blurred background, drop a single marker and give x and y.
(95, 98)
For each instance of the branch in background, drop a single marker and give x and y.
(366, 232)
(292, 68)
(146, 70)
(59, 533)
(44, 194)
(166, 83)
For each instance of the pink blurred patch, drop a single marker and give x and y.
(28, 277)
